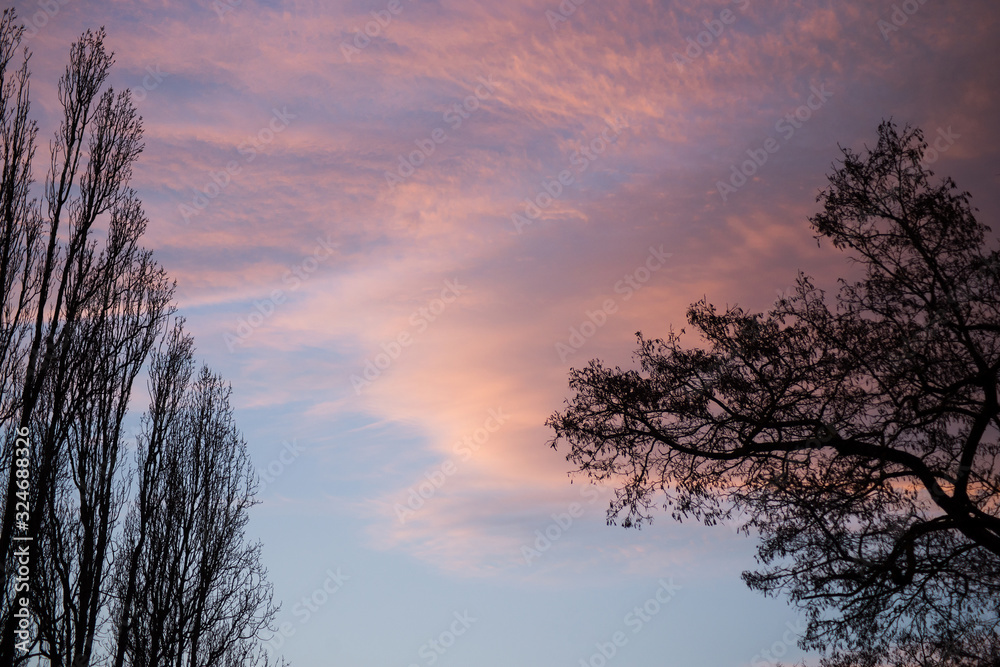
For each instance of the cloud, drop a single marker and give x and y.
(323, 176)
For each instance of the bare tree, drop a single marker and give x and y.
(111, 343)
(21, 227)
(83, 307)
(143, 551)
(861, 440)
(192, 591)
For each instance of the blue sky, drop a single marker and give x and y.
(396, 247)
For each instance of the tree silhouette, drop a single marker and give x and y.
(858, 437)
(83, 305)
(78, 321)
(190, 590)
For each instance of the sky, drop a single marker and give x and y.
(395, 225)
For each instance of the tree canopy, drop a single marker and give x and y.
(856, 432)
